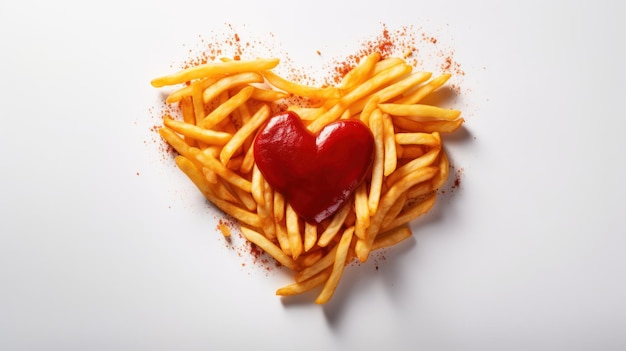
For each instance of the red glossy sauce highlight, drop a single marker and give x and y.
(317, 174)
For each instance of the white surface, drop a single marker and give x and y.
(527, 254)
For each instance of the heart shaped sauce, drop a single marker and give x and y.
(317, 174)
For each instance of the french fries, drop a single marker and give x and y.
(225, 103)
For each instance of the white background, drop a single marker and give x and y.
(105, 246)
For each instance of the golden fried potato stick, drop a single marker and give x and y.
(227, 83)
(424, 90)
(310, 236)
(335, 225)
(215, 68)
(387, 63)
(392, 237)
(389, 145)
(293, 232)
(361, 210)
(268, 95)
(279, 206)
(258, 186)
(282, 237)
(338, 267)
(224, 110)
(266, 212)
(299, 288)
(176, 142)
(420, 112)
(428, 126)
(376, 125)
(244, 132)
(186, 109)
(299, 89)
(194, 132)
(261, 241)
(360, 73)
(417, 139)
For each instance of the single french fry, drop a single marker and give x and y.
(338, 267)
(423, 91)
(279, 206)
(386, 64)
(245, 198)
(299, 89)
(376, 125)
(293, 232)
(193, 173)
(229, 82)
(361, 72)
(176, 142)
(366, 113)
(307, 113)
(261, 241)
(283, 238)
(389, 144)
(243, 133)
(299, 288)
(417, 139)
(428, 126)
(186, 109)
(196, 133)
(268, 95)
(215, 68)
(310, 236)
(248, 161)
(335, 225)
(361, 210)
(391, 237)
(420, 112)
(309, 258)
(266, 212)
(225, 109)
(258, 186)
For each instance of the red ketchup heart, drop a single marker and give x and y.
(316, 174)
